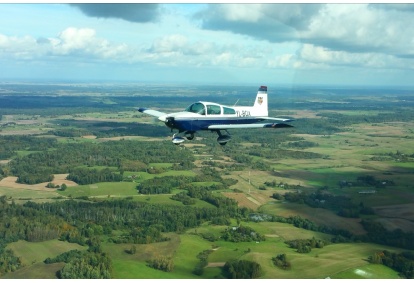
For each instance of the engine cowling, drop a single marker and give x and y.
(170, 122)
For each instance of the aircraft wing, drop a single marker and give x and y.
(249, 126)
(151, 112)
(275, 119)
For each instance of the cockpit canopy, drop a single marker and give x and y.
(210, 108)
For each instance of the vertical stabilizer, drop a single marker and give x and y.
(260, 104)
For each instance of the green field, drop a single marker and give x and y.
(101, 190)
(33, 255)
(334, 261)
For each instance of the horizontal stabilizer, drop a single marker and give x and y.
(151, 112)
(249, 126)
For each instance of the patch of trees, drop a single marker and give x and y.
(31, 179)
(184, 198)
(266, 139)
(270, 153)
(203, 262)
(206, 195)
(396, 156)
(302, 144)
(90, 265)
(306, 245)
(242, 269)
(37, 167)
(132, 165)
(70, 133)
(377, 233)
(281, 261)
(8, 261)
(124, 214)
(344, 206)
(85, 176)
(21, 223)
(139, 235)
(229, 167)
(183, 165)
(241, 234)
(65, 257)
(163, 263)
(52, 186)
(282, 185)
(346, 120)
(316, 126)
(10, 144)
(106, 129)
(366, 181)
(209, 174)
(221, 220)
(117, 129)
(402, 262)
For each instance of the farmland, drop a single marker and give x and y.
(359, 151)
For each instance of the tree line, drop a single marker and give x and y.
(401, 262)
(342, 205)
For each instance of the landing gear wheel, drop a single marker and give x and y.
(223, 139)
(177, 140)
(190, 137)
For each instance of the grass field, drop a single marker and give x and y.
(32, 252)
(369, 271)
(101, 189)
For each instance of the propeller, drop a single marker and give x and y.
(170, 121)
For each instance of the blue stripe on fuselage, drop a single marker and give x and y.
(193, 125)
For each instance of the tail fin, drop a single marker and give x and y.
(260, 104)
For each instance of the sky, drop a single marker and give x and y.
(287, 44)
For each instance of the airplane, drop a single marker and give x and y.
(215, 117)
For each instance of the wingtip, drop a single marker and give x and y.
(141, 109)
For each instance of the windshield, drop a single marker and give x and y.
(196, 108)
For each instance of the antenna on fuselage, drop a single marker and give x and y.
(236, 102)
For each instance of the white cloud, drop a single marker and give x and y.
(169, 44)
(72, 39)
(246, 13)
(77, 43)
(13, 47)
(358, 28)
(352, 28)
(317, 58)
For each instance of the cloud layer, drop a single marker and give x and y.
(261, 39)
(137, 13)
